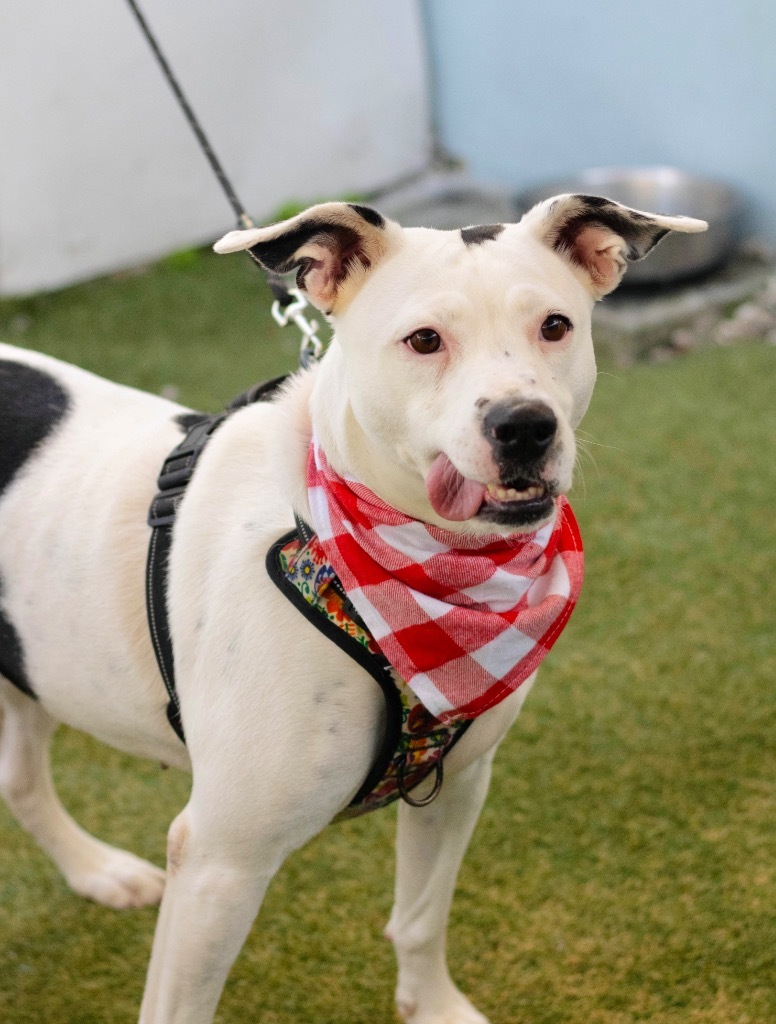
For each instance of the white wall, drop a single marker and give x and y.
(302, 99)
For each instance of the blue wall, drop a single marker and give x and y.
(527, 90)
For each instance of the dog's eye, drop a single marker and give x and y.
(556, 327)
(425, 342)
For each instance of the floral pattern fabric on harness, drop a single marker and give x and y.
(424, 740)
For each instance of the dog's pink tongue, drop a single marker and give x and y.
(452, 495)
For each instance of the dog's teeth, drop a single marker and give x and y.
(510, 494)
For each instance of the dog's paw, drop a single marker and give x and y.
(117, 879)
(458, 1011)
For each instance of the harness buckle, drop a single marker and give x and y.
(178, 467)
(164, 507)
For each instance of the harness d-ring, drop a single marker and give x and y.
(423, 801)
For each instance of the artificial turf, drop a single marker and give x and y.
(624, 866)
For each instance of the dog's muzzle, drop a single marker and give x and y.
(521, 436)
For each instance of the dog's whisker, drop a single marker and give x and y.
(583, 448)
(580, 471)
(619, 377)
(588, 439)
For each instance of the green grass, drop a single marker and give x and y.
(623, 870)
(197, 321)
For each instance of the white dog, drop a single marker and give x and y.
(462, 363)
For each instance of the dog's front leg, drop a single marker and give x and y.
(210, 901)
(431, 843)
(223, 849)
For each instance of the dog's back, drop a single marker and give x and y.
(79, 457)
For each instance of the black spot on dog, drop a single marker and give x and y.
(278, 253)
(32, 404)
(370, 216)
(345, 244)
(11, 652)
(638, 230)
(594, 202)
(481, 233)
(601, 203)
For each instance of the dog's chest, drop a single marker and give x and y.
(415, 742)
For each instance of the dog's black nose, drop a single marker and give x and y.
(520, 433)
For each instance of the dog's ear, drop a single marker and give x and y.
(600, 236)
(332, 245)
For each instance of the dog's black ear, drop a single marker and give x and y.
(601, 236)
(332, 245)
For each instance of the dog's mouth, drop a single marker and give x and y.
(518, 502)
(521, 502)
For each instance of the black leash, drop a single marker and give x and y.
(277, 286)
(242, 217)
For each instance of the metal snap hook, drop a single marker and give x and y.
(312, 346)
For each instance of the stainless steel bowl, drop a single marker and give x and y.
(669, 191)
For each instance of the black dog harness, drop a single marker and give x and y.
(177, 471)
(415, 742)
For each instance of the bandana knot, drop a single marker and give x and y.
(464, 620)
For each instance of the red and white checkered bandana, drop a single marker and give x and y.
(464, 620)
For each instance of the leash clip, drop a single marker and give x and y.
(311, 348)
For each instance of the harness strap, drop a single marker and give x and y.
(414, 742)
(177, 471)
(375, 664)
